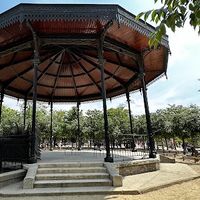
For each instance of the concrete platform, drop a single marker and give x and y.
(60, 156)
(168, 174)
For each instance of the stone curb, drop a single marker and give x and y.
(30, 177)
(11, 177)
(112, 192)
(108, 192)
(114, 175)
(138, 166)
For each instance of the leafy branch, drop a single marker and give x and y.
(173, 14)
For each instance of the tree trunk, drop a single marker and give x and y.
(54, 141)
(193, 141)
(163, 149)
(144, 143)
(184, 146)
(174, 143)
(157, 147)
(166, 143)
(113, 144)
(90, 143)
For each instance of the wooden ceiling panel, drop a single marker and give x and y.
(44, 91)
(89, 90)
(64, 92)
(128, 36)
(14, 33)
(20, 84)
(6, 74)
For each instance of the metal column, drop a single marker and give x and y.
(25, 107)
(151, 143)
(51, 127)
(78, 118)
(108, 157)
(130, 117)
(1, 102)
(36, 62)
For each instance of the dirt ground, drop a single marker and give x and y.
(185, 191)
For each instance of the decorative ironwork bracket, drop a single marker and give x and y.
(36, 59)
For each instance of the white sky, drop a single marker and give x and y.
(182, 84)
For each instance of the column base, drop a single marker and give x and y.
(108, 159)
(32, 160)
(152, 154)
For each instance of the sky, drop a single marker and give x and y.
(181, 85)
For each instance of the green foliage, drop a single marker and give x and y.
(172, 14)
(179, 121)
(119, 125)
(173, 122)
(9, 120)
(58, 124)
(140, 125)
(118, 121)
(70, 126)
(43, 121)
(93, 125)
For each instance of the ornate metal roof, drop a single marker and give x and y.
(39, 12)
(68, 48)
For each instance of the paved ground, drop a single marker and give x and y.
(86, 155)
(168, 175)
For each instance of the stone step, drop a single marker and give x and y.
(72, 176)
(72, 183)
(58, 193)
(68, 165)
(71, 170)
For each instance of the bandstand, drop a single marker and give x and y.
(77, 53)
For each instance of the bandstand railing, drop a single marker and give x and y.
(121, 150)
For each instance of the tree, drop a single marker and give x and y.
(140, 128)
(93, 126)
(10, 119)
(162, 126)
(193, 123)
(119, 125)
(70, 126)
(173, 14)
(179, 117)
(42, 122)
(119, 117)
(58, 124)
(140, 125)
